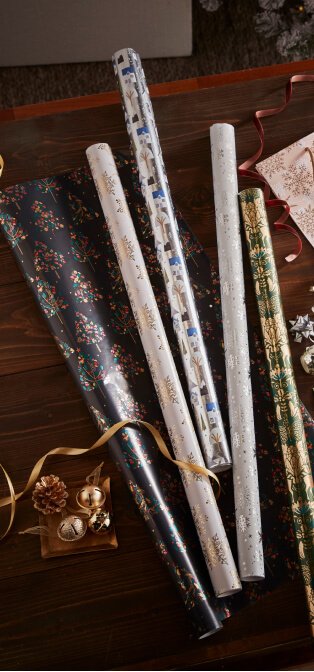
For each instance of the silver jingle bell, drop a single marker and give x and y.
(71, 528)
(100, 522)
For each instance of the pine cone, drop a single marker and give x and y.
(49, 495)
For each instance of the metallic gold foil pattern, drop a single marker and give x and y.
(213, 539)
(283, 387)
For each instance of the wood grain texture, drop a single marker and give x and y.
(156, 90)
(119, 610)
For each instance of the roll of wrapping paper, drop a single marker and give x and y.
(283, 387)
(143, 133)
(240, 401)
(207, 519)
(56, 230)
(64, 212)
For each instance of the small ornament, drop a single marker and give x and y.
(90, 497)
(71, 528)
(302, 327)
(100, 521)
(49, 495)
(311, 289)
(307, 360)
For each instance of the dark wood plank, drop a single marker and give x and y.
(25, 341)
(46, 145)
(126, 618)
(156, 90)
(120, 610)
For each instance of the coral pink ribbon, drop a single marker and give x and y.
(245, 169)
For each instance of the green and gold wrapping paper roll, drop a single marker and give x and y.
(283, 386)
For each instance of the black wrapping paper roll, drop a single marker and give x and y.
(57, 230)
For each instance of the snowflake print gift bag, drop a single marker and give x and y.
(57, 231)
(289, 173)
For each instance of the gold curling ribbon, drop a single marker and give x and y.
(1, 165)
(13, 498)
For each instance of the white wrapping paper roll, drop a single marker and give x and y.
(198, 489)
(155, 188)
(240, 402)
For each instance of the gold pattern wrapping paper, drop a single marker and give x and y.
(206, 515)
(141, 126)
(282, 382)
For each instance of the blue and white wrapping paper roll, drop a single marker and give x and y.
(240, 401)
(154, 184)
(199, 492)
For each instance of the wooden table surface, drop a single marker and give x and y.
(119, 609)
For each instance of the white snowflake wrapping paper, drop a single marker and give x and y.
(289, 174)
(240, 402)
(213, 539)
(142, 129)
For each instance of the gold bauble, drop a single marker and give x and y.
(71, 528)
(307, 360)
(100, 522)
(90, 497)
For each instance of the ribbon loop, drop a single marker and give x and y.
(12, 501)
